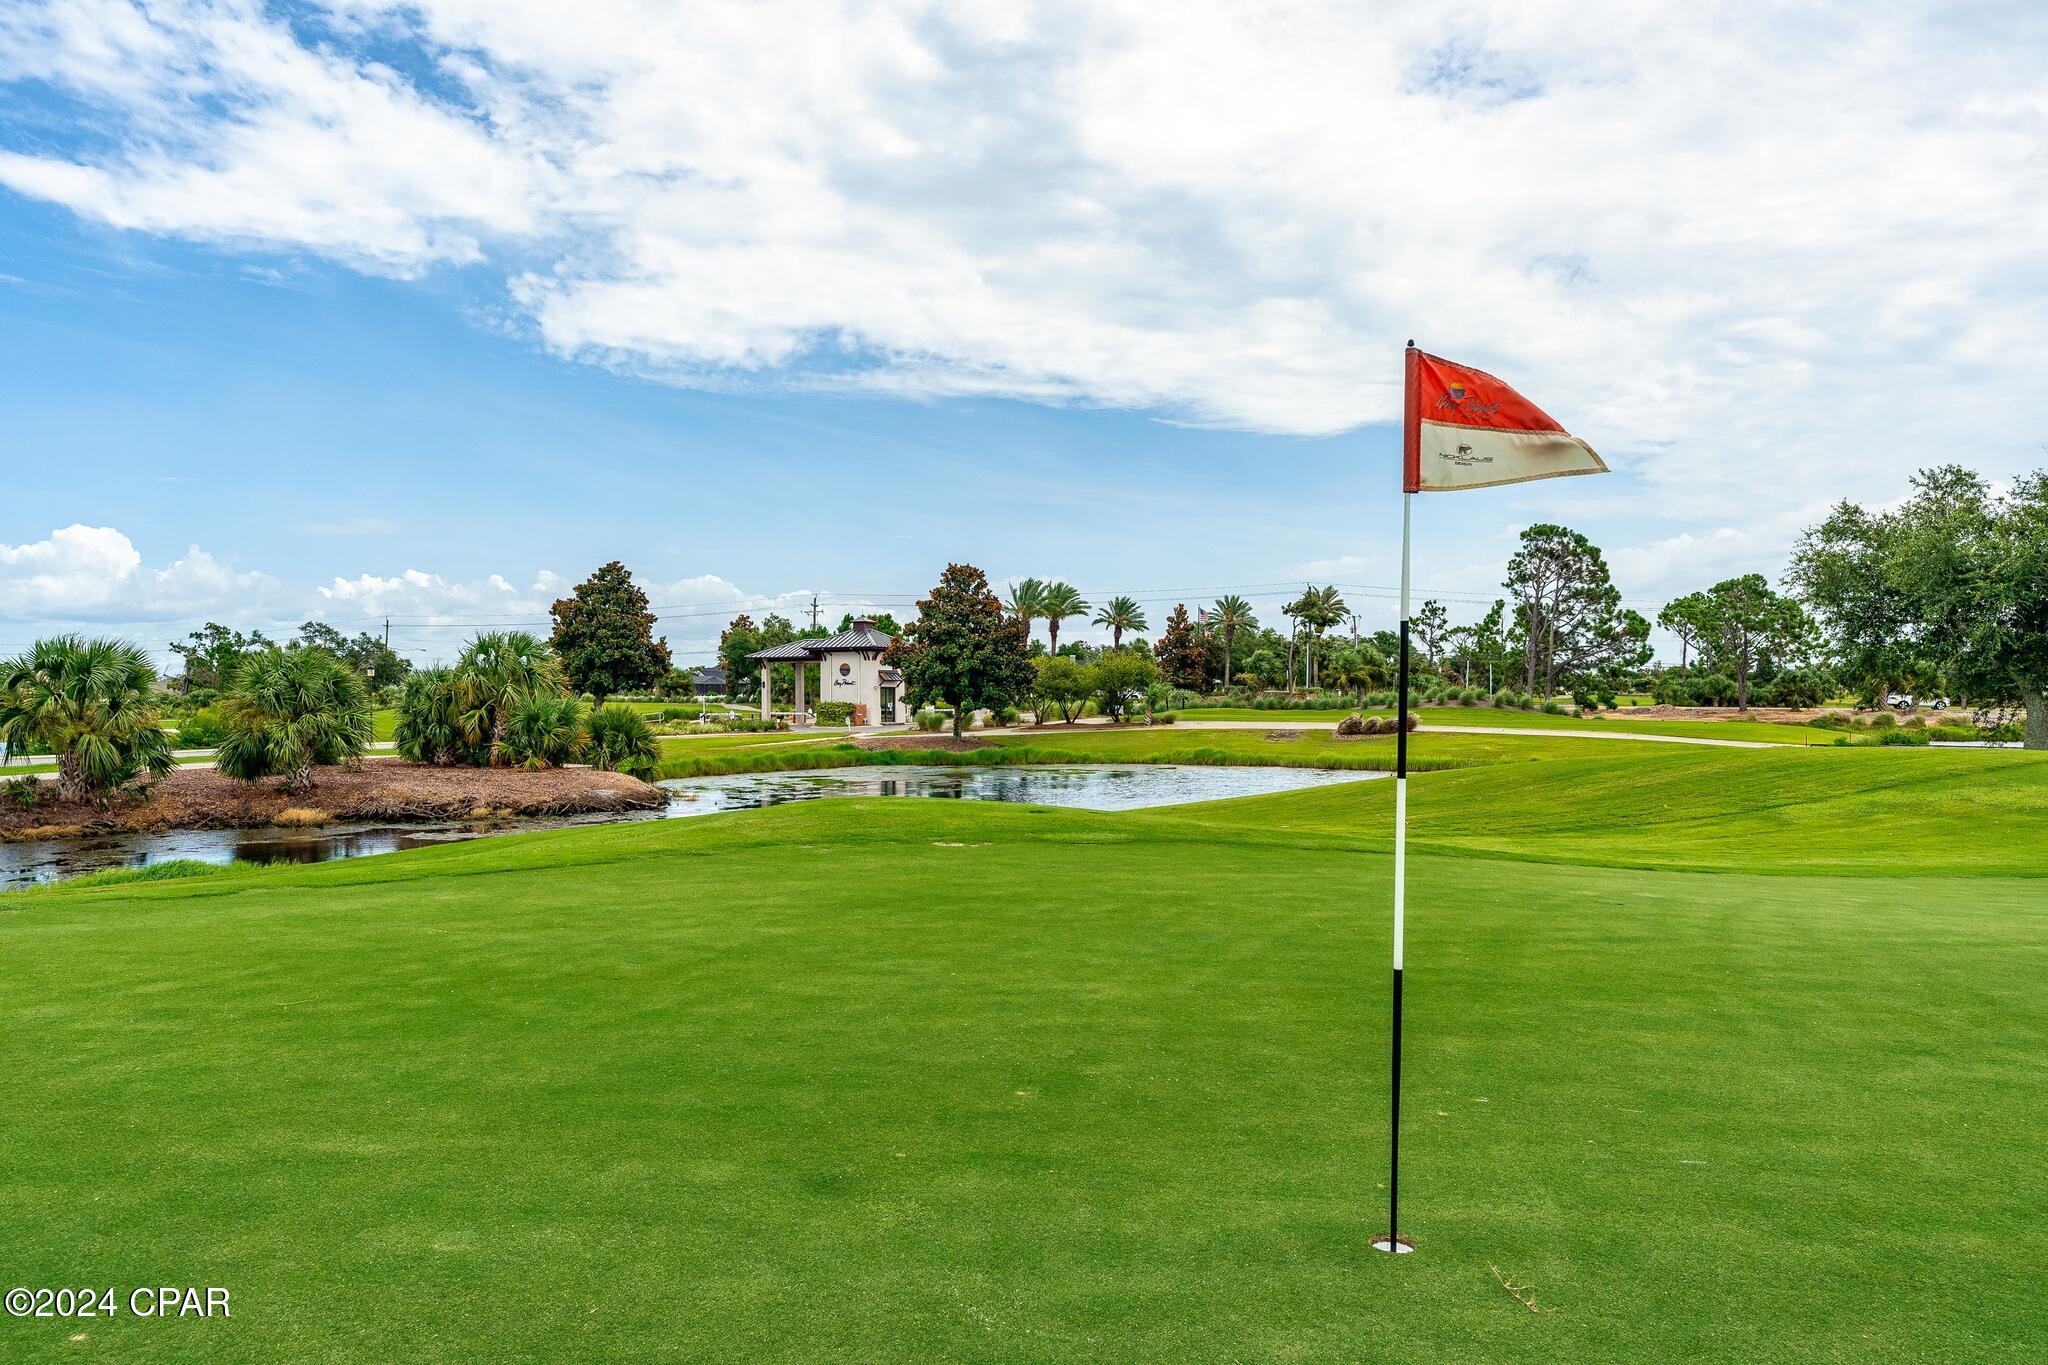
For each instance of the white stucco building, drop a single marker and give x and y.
(849, 669)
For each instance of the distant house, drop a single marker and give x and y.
(849, 669)
(709, 682)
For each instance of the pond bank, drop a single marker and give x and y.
(380, 790)
(27, 862)
(1053, 745)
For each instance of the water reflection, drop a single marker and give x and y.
(1103, 788)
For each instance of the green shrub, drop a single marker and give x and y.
(1674, 689)
(1008, 716)
(1833, 720)
(1121, 675)
(930, 721)
(430, 728)
(205, 728)
(290, 710)
(93, 703)
(1883, 720)
(1161, 718)
(620, 740)
(1554, 708)
(1903, 737)
(23, 791)
(542, 730)
(833, 712)
(1801, 687)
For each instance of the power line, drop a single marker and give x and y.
(725, 608)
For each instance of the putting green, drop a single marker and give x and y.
(894, 1080)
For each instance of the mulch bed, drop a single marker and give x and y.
(377, 791)
(1777, 714)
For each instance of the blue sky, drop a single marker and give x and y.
(427, 311)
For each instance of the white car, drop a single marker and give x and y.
(1903, 701)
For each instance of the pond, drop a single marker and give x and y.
(1089, 787)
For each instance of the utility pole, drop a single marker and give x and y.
(387, 632)
(814, 611)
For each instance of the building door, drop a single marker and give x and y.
(888, 706)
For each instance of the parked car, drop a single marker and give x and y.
(1903, 701)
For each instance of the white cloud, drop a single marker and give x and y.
(81, 575)
(94, 579)
(1757, 255)
(432, 616)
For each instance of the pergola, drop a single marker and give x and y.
(796, 652)
(849, 670)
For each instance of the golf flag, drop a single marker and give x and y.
(1462, 429)
(1466, 429)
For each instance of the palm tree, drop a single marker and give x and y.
(1325, 608)
(1357, 669)
(542, 730)
(290, 709)
(497, 672)
(1122, 614)
(1027, 603)
(1296, 612)
(429, 724)
(1230, 615)
(1061, 601)
(621, 741)
(89, 700)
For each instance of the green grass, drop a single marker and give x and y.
(170, 870)
(1508, 718)
(915, 1080)
(13, 770)
(1308, 748)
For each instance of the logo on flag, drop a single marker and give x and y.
(1480, 432)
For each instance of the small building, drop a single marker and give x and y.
(708, 682)
(849, 669)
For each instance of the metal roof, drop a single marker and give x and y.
(865, 641)
(858, 638)
(789, 653)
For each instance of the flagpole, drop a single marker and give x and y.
(1393, 1242)
(1500, 437)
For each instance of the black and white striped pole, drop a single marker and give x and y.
(1393, 1241)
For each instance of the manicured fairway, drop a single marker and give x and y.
(912, 1080)
(1769, 732)
(1279, 744)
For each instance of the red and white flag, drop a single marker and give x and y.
(1466, 429)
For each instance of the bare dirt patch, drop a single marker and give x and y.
(378, 791)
